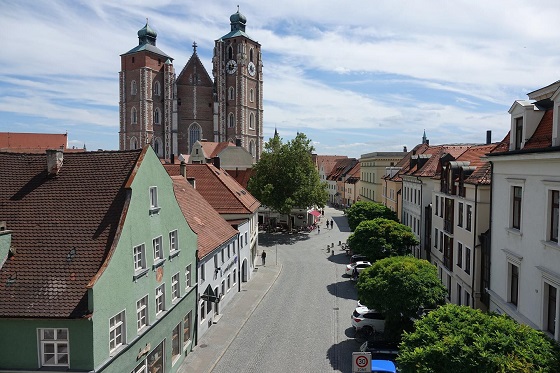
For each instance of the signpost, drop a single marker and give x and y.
(361, 362)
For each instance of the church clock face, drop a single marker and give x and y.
(231, 67)
(251, 69)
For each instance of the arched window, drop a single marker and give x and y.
(230, 52)
(251, 55)
(231, 95)
(157, 90)
(251, 95)
(133, 87)
(194, 135)
(252, 148)
(156, 116)
(158, 147)
(252, 121)
(133, 143)
(231, 121)
(133, 116)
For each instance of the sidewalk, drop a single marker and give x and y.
(214, 343)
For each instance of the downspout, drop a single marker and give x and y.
(197, 306)
(474, 245)
(421, 215)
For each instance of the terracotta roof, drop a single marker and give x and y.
(482, 175)
(241, 176)
(341, 168)
(32, 142)
(542, 138)
(353, 176)
(212, 149)
(327, 162)
(63, 227)
(221, 190)
(404, 163)
(430, 168)
(211, 229)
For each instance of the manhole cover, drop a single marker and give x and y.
(203, 345)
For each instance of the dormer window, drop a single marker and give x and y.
(518, 133)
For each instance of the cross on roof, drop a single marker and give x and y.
(194, 46)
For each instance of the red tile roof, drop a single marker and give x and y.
(32, 142)
(221, 190)
(212, 149)
(63, 228)
(327, 162)
(241, 176)
(341, 168)
(542, 138)
(430, 168)
(211, 229)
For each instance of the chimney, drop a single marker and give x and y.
(192, 181)
(172, 158)
(216, 162)
(54, 161)
(237, 142)
(488, 137)
(183, 169)
(404, 149)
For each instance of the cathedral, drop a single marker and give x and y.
(172, 112)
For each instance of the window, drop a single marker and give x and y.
(173, 246)
(252, 148)
(516, 218)
(133, 116)
(187, 327)
(202, 311)
(441, 208)
(469, 217)
(194, 135)
(246, 238)
(449, 287)
(223, 255)
(157, 90)
(142, 312)
(550, 308)
(229, 251)
(155, 359)
(459, 254)
(460, 215)
(435, 237)
(231, 93)
(459, 293)
(230, 52)
(216, 261)
(251, 55)
(139, 257)
(234, 276)
(176, 343)
(513, 284)
(175, 291)
(251, 95)
(158, 250)
(54, 347)
(518, 132)
(467, 298)
(234, 247)
(251, 121)
(440, 241)
(160, 299)
(153, 198)
(223, 287)
(231, 121)
(467, 260)
(202, 272)
(133, 143)
(228, 282)
(188, 279)
(133, 87)
(156, 116)
(553, 235)
(117, 333)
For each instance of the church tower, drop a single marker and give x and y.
(146, 91)
(237, 70)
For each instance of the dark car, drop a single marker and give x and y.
(358, 258)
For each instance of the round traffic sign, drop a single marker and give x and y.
(362, 361)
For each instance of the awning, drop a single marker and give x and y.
(315, 213)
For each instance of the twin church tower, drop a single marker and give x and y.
(172, 112)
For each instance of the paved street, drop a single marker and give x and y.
(302, 322)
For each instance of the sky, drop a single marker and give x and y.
(356, 76)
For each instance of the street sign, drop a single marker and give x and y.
(361, 362)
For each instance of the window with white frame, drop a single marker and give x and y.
(436, 238)
(459, 294)
(513, 284)
(469, 218)
(175, 289)
(215, 261)
(173, 244)
(550, 309)
(553, 215)
(117, 332)
(160, 299)
(516, 207)
(234, 276)
(175, 343)
(229, 250)
(518, 133)
(142, 313)
(187, 328)
(460, 215)
(154, 198)
(202, 311)
(459, 254)
(223, 255)
(54, 347)
(467, 260)
(251, 121)
(202, 272)
(188, 279)
(158, 249)
(139, 257)
(234, 243)
(229, 281)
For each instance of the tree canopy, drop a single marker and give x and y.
(285, 177)
(365, 210)
(381, 238)
(398, 287)
(460, 339)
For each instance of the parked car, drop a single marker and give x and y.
(368, 320)
(383, 366)
(359, 266)
(358, 258)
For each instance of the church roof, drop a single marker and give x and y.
(194, 60)
(148, 48)
(147, 42)
(237, 21)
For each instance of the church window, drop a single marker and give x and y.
(133, 87)
(251, 95)
(194, 135)
(133, 116)
(231, 95)
(252, 121)
(158, 147)
(230, 52)
(251, 55)
(156, 116)
(252, 148)
(133, 143)
(231, 121)
(157, 90)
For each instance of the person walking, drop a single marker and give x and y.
(332, 223)
(318, 230)
(327, 224)
(263, 258)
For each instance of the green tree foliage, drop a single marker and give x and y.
(381, 238)
(285, 177)
(460, 339)
(365, 210)
(398, 287)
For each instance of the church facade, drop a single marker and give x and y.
(171, 112)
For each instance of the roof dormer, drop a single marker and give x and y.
(525, 117)
(556, 118)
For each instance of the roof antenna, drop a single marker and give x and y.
(238, 9)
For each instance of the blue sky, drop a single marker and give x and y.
(355, 77)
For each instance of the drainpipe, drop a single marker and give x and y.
(474, 245)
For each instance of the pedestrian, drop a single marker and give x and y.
(327, 224)
(263, 258)
(332, 223)
(318, 230)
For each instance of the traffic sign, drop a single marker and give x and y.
(361, 362)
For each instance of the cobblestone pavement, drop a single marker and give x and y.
(302, 324)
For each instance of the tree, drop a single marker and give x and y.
(365, 210)
(460, 339)
(398, 287)
(285, 177)
(381, 238)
